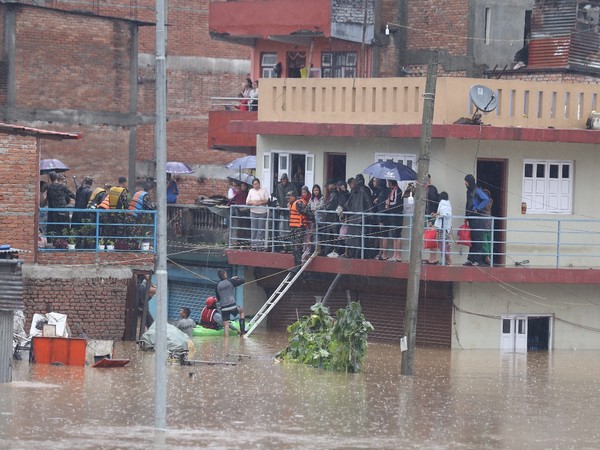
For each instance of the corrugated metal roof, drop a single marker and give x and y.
(585, 50)
(565, 34)
(11, 294)
(552, 19)
(549, 53)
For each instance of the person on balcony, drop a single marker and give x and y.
(316, 203)
(172, 190)
(358, 203)
(141, 200)
(253, 103)
(58, 196)
(443, 228)
(487, 225)
(477, 200)
(282, 215)
(82, 198)
(118, 196)
(393, 220)
(330, 228)
(239, 216)
(298, 222)
(379, 232)
(258, 199)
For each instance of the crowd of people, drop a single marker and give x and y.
(57, 195)
(333, 222)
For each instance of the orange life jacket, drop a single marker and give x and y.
(297, 215)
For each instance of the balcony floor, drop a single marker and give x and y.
(400, 270)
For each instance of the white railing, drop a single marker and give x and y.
(539, 242)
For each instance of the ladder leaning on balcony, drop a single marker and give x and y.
(287, 282)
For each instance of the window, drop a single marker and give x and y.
(487, 26)
(267, 65)
(548, 186)
(338, 64)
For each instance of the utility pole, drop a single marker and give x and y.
(416, 244)
(160, 148)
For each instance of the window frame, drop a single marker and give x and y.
(551, 189)
(267, 70)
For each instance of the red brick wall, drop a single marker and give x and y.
(62, 61)
(18, 192)
(94, 306)
(438, 23)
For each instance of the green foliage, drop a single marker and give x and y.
(321, 341)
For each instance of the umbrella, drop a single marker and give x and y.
(178, 167)
(52, 165)
(390, 170)
(246, 162)
(243, 178)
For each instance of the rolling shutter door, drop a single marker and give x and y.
(384, 311)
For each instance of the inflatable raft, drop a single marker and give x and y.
(199, 330)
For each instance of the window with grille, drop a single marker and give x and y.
(338, 64)
(267, 65)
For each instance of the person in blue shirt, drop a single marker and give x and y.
(477, 200)
(172, 189)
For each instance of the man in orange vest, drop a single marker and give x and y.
(298, 223)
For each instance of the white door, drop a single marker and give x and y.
(309, 170)
(507, 334)
(284, 165)
(266, 172)
(513, 336)
(521, 334)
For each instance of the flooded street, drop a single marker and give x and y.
(457, 399)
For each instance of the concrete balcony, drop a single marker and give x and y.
(252, 19)
(220, 136)
(385, 102)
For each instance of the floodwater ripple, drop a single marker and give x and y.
(467, 399)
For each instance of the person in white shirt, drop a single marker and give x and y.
(258, 199)
(443, 226)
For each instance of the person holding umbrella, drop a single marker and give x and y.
(59, 196)
(172, 190)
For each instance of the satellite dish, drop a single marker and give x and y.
(483, 98)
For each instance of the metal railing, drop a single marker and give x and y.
(96, 230)
(234, 103)
(541, 242)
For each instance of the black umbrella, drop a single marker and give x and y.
(52, 165)
(242, 178)
(390, 170)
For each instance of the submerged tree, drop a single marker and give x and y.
(321, 341)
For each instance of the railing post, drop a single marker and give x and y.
(492, 241)
(362, 236)
(558, 244)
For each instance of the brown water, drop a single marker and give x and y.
(456, 399)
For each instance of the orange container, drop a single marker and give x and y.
(68, 351)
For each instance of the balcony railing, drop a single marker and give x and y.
(96, 230)
(551, 243)
(390, 101)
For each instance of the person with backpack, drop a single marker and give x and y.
(477, 201)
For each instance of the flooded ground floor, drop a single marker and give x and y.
(468, 399)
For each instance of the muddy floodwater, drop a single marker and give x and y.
(471, 399)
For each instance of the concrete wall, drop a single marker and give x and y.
(574, 307)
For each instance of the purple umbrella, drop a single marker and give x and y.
(178, 167)
(52, 165)
(246, 162)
